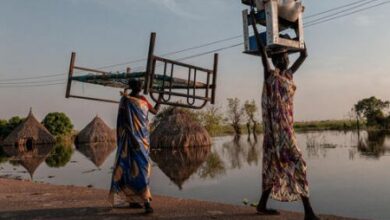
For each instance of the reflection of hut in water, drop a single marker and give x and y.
(180, 164)
(30, 160)
(96, 131)
(28, 136)
(176, 128)
(96, 152)
(96, 141)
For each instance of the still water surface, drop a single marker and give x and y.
(348, 174)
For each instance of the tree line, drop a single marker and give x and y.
(57, 123)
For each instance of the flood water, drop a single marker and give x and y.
(349, 174)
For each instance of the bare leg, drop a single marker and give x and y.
(309, 213)
(262, 206)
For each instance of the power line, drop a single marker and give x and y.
(32, 82)
(351, 13)
(340, 12)
(335, 8)
(34, 77)
(175, 52)
(27, 86)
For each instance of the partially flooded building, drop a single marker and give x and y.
(27, 136)
(96, 141)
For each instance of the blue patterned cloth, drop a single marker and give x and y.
(132, 164)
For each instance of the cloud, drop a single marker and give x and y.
(172, 5)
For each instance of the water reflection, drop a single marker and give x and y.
(341, 172)
(239, 151)
(213, 167)
(30, 159)
(60, 155)
(96, 152)
(373, 144)
(3, 156)
(179, 164)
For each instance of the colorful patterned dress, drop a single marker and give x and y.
(132, 164)
(284, 170)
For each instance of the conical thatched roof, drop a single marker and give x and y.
(180, 164)
(96, 131)
(97, 152)
(30, 128)
(178, 129)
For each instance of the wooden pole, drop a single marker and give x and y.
(70, 74)
(215, 71)
(149, 63)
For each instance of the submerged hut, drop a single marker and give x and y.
(96, 141)
(177, 128)
(180, 164)
(96, 131)
(28, 135)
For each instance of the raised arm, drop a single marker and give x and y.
(156, 107)
(260, 45)
(299, 61)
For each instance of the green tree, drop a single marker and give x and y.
(6, 127)
(58, 123)
(60, 155)
(211, 119)
(371, 109)
(234, 114)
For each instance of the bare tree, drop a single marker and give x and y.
(251, 110)
(234, 114)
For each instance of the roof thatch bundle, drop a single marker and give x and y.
(97, 152)
(29, 134)
(180, 164)
(96, 131)
(177, 128)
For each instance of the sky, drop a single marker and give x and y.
(348, 57)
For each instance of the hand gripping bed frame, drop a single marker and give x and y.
(166, 84)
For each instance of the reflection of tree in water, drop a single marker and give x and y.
(30, 159)
(60, 155)
(372, 144)
(213, 167)
(97, 152)
(239, 151)
(317, 145)
(179, 164)
(253, 153)
(3, 156)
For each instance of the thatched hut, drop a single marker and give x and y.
(28, 135)
(177, 128)
(180, 164)
(96, 131)
(96, 152)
